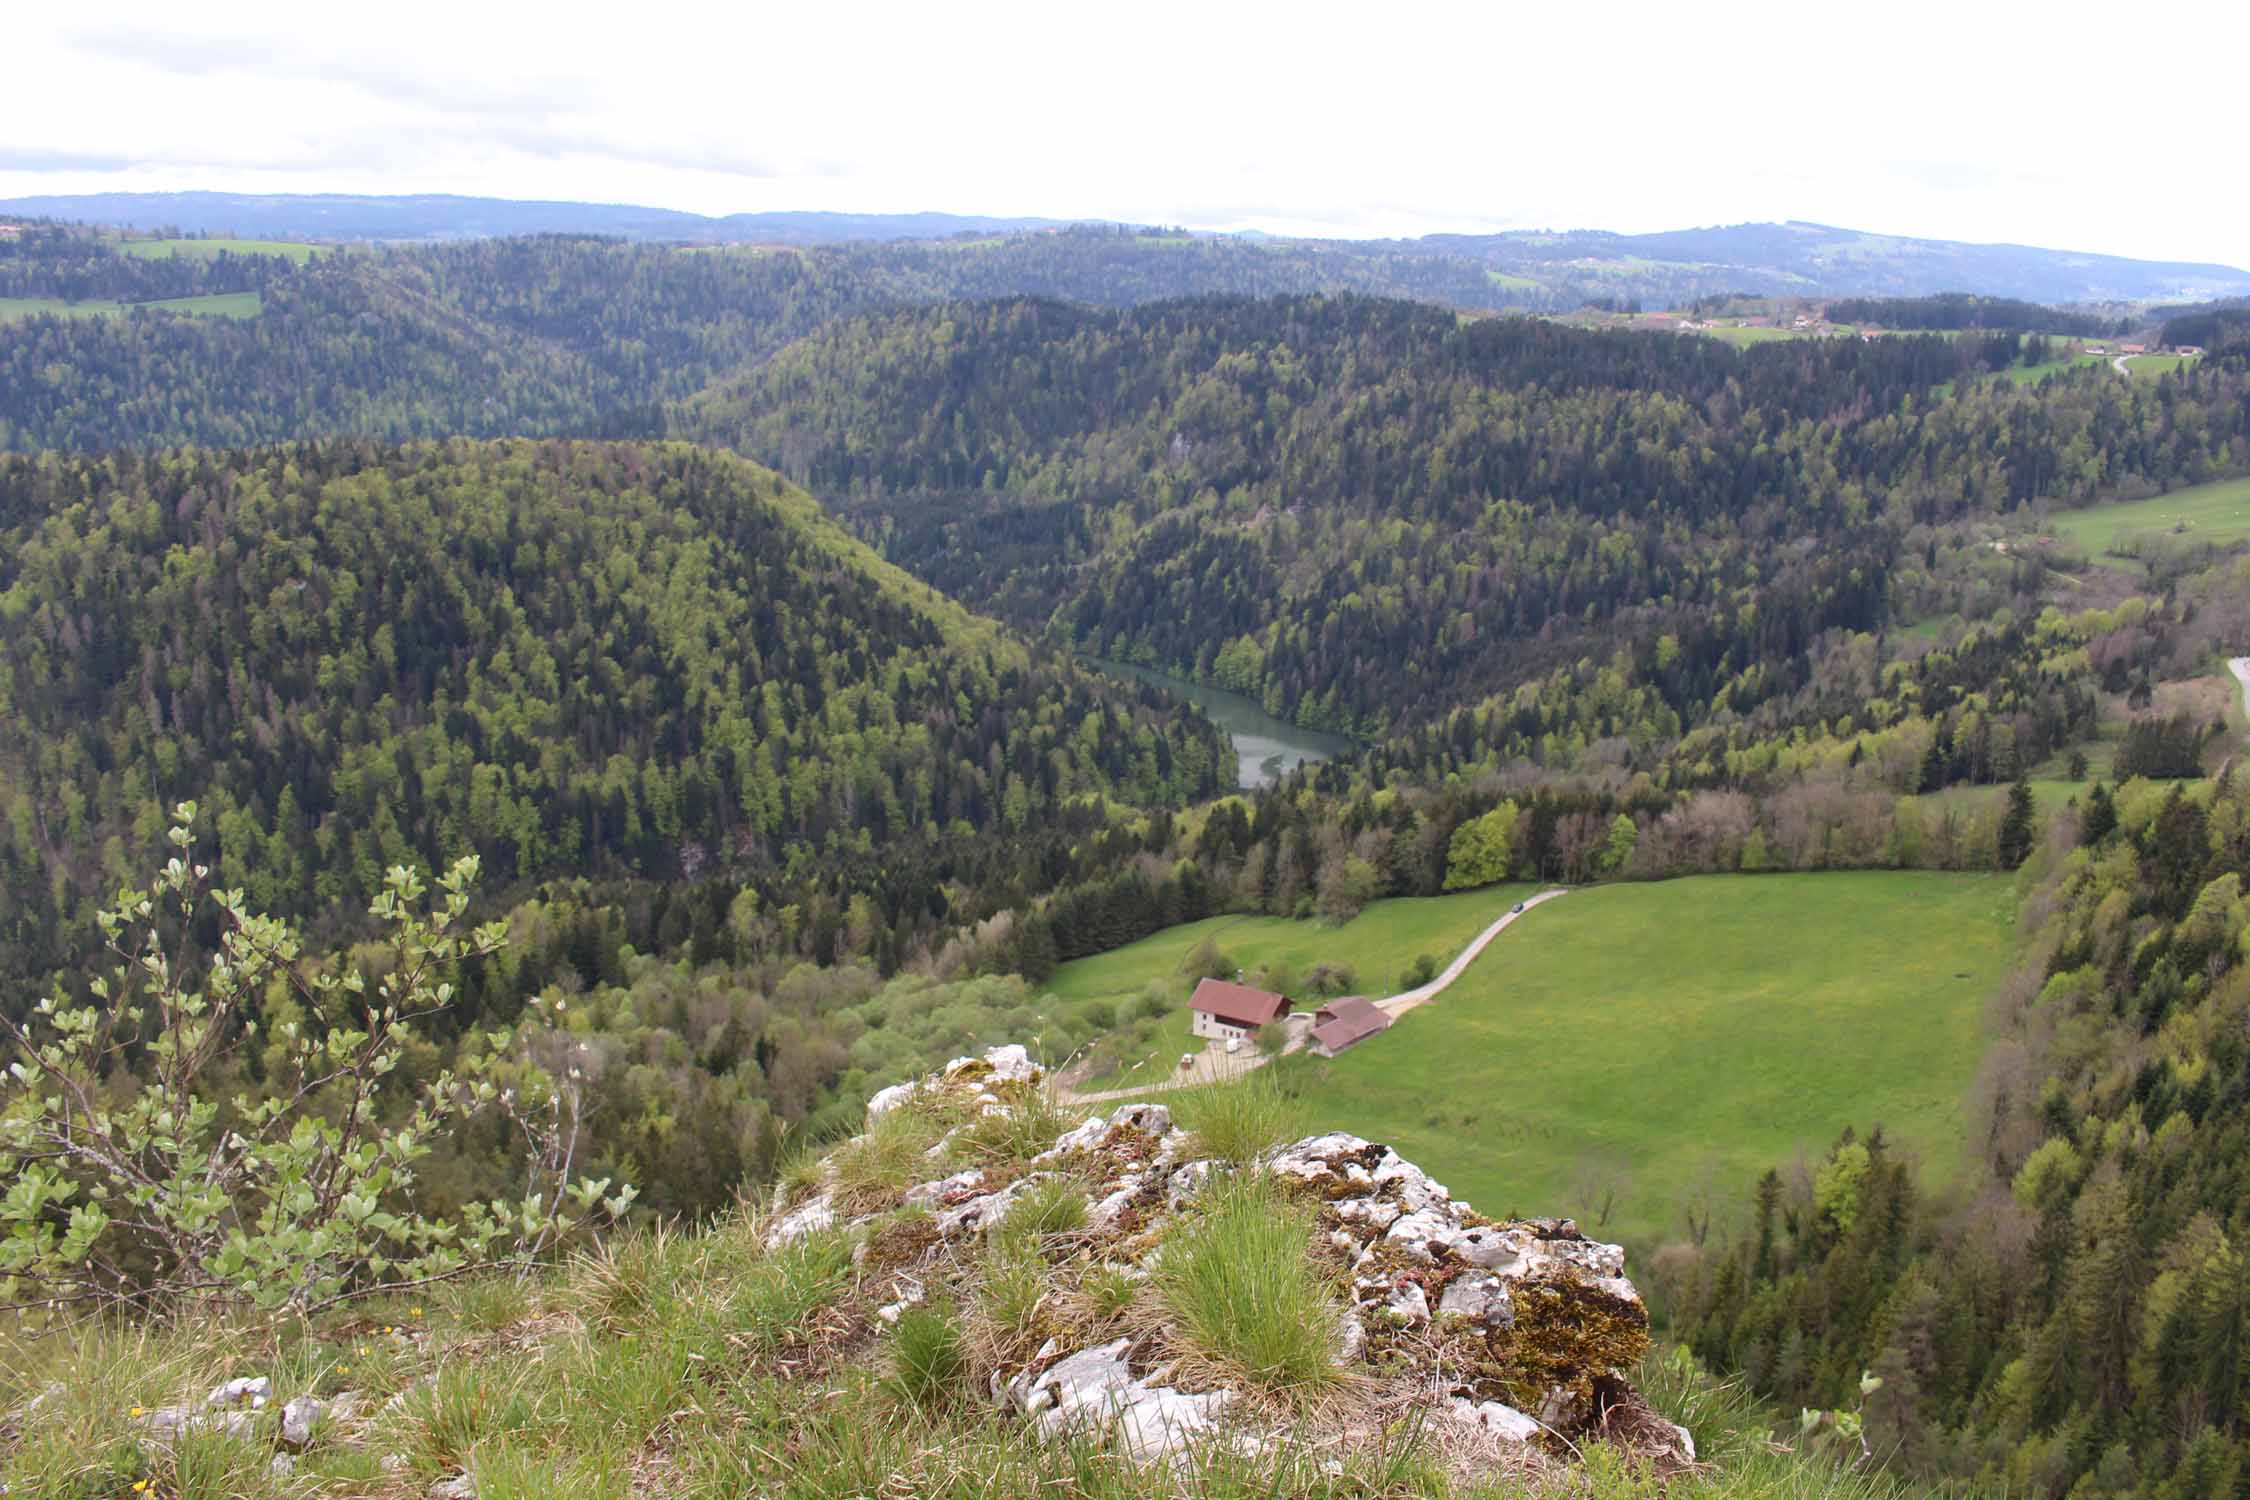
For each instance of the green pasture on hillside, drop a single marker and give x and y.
(1376, 945)
(12, 308)
(2033, 374)
(2204, 513)
(218, 305)
(2149, 366)
(1680, 1037)
(296, 250)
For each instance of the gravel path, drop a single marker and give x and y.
(1214, 1064)
(2240, 667)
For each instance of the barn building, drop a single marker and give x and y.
(1346, 1023)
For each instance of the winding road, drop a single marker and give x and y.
(1214, 1064)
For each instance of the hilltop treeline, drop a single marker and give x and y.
(2222, 327)
(547, 335)
(1962, 311)
(632, 659)
(1364, 513)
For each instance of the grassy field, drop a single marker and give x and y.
(1376, 945)
(218, 305)
(295, 250)
(1743, 338)
(2205, 513)
(30, 307)
(1681, 1037)
(2149, 366)
(2033, 374)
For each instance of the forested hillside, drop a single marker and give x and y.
(2075, 1320)
(647, 661)
(1365, 513)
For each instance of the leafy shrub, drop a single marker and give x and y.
(1207, 960)
(142, 1173)
(1418, 973)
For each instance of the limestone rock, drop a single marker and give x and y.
(1084, 1137)
(886, 1100)
(1408, 1305)
(1498, 1418)
(1108, 1216)
(1188, 1183)
(459, 1487)
(1095, 1388)
(946, 1190)
(1479, 1296)
(252, 1391)
(1164, 1420)
(808, 1218)
(300, 1418)
(1148, 1119)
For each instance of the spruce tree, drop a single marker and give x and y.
(2016, 826)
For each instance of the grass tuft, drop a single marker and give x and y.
(1054, 1207)
(1013, 1136)
(868, 1172)
(1239, 1122)
(927, 1357)
(1239, 1282)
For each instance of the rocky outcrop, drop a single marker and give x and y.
(1517, 1336)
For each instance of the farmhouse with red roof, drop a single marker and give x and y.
(1222, 1010)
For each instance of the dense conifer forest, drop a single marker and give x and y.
(562, 658)
(1364, 513)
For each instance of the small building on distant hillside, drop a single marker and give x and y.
(1346, 1023)
(2188, 351)
(10, 231)
(2132, 348)
(1224, 1011)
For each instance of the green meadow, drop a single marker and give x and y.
(296, 250)
(2204, 513)
(2149, 366)
(1656, 1043)
(2033, 374)
(31, 307)
(217, 305)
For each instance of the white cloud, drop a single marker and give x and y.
(1970, 119)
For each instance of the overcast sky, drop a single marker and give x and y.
(2116, 130)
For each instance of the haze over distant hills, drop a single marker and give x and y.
(1787, 258)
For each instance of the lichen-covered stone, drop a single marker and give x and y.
(1496, 1417)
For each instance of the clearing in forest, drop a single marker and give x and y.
(1658, 1044)
(2217, 512)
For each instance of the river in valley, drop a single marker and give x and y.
(1266, 747)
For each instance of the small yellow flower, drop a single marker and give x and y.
(137, 1411)
(362, 1349)
(415, 1312)
(139, 1485)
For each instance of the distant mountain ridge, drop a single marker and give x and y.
(440, 216)
(1528, 268)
